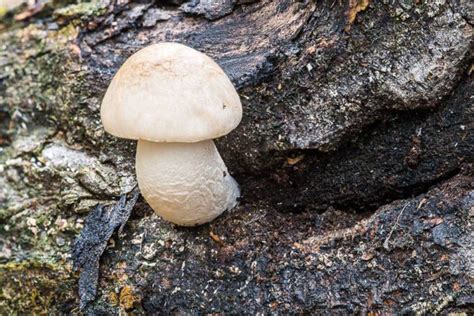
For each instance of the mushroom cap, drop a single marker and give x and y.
(169, 92)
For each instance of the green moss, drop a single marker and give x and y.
(3, 11)
(81, 10)
(32, 287)
(44, 85)
(41, 76)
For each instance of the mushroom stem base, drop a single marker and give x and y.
(185, 183)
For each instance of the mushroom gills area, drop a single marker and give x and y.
(185, 183)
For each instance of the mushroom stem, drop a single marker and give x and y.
(185, 183)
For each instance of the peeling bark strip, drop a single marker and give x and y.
(89, 246)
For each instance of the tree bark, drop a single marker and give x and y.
(354, 158)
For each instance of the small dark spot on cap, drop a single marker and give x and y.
(225, 174)
(224, 106)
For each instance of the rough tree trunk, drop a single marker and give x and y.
(354, 158)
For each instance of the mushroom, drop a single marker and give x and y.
(175, 100)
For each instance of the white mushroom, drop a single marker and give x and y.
(174, 100)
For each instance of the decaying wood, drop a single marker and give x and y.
(354, 158)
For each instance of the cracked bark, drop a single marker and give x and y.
(348, 106)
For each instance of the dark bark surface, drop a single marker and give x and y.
(348, 106)
(409, 256)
